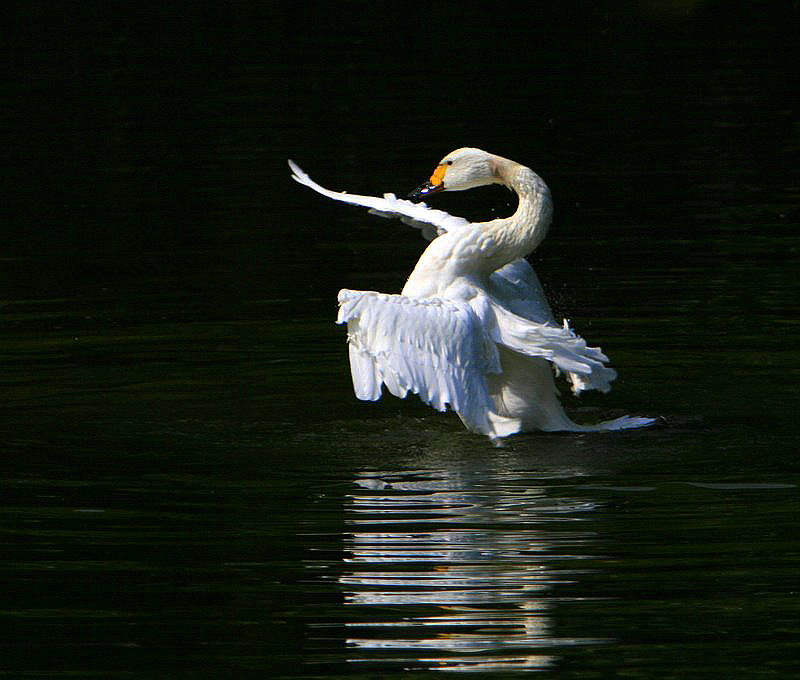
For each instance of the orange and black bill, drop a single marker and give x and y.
(434, 184)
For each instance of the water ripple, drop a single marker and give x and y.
(451, 563)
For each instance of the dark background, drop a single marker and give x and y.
(186, 473)
(142, 136)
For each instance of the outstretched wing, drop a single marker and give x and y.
(585, 366)
(435, 348)
(417, 215)
(517, 288)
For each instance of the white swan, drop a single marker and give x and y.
(472, 328)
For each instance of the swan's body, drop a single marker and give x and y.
(472, 328)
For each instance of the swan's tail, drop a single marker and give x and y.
(623, 423)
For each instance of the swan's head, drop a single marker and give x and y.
(461, 169)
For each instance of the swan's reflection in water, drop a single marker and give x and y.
(459, 571)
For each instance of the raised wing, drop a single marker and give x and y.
(435, 348)
(516, 287)
(417, 215)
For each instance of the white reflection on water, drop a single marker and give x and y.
(452, 570)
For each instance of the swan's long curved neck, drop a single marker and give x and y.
(521, 233)
(481, 248)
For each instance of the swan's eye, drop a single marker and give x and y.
(448, 162)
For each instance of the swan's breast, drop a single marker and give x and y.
(468, 253)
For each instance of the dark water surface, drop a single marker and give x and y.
(189, 487)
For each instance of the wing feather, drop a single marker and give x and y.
(417, 215)
(435, 348)
(567, 351)
(519, 289)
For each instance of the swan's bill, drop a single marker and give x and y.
(425, 190)
(434, 184)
